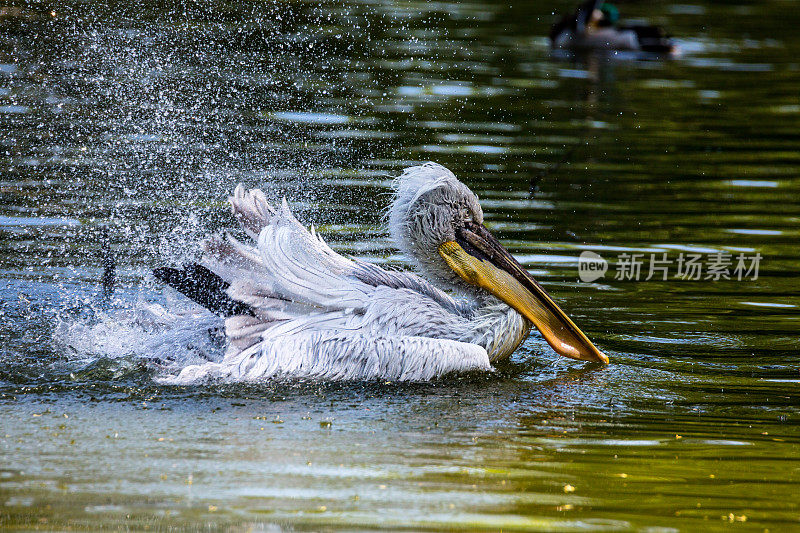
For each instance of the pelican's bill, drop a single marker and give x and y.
(479, 259)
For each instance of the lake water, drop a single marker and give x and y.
(141, 117)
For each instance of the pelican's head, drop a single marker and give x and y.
(438, 221)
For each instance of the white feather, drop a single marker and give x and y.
(318, 314)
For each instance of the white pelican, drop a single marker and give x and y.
(294, 307)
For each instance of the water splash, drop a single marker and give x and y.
(164, 338)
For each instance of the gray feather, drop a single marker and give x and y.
(319, 314)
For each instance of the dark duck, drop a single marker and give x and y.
(595, 26)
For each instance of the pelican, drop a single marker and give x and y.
(294, 307)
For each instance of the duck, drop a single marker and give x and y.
(595, 25)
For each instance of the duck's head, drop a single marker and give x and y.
(438, 221)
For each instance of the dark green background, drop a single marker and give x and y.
(142, 117)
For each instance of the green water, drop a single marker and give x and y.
(143, 117)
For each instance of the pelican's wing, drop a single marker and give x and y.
(292, 264)
(289, 266)
(314, 313)
(331, 355)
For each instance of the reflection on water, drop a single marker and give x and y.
(142, 118)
